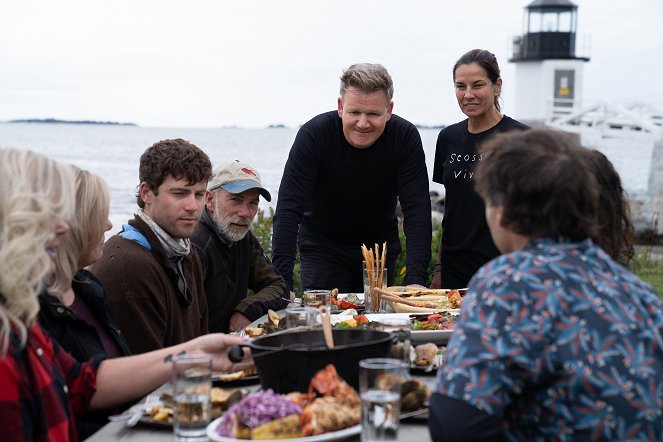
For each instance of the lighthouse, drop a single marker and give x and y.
(548, 69)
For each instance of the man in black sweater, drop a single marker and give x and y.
(340, 186)
(233, 259)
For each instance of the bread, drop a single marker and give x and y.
(425, 354)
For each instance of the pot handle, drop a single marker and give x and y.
(236, 353)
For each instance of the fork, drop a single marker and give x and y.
(240, 334)
(151, 401)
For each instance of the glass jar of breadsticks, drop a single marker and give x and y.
(375, 275)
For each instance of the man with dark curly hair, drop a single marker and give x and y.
(153, 278)
(555, 339)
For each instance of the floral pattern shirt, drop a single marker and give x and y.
(561, 343)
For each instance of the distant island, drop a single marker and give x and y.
(56, 121)
(435, 126)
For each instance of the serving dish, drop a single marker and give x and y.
(287, 360)
(333, 435)
(417, 336)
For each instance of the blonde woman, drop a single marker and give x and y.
(75, 311)
(43, 386)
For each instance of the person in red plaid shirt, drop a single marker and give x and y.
(42, 387)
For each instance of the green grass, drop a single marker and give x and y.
(651, 271)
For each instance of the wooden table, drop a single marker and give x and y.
(413, 429)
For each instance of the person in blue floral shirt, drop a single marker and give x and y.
(555, 340)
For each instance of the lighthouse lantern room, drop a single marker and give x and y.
(548, 70)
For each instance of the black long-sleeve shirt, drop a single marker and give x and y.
(341, 194)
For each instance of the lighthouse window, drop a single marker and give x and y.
(549, 22)
(535, 20)
(565, 22)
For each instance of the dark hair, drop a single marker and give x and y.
(367, 78)
(177, 158)
(487, 61)
(616, 235)
(543, 181)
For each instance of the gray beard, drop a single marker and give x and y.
(222, 226)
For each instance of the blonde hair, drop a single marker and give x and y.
(36, 192)
(91, 216)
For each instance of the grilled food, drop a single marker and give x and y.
(285, 428)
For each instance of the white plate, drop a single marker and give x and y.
(334, 435)
(345, 295)
(418, 336)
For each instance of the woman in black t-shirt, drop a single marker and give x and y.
(466, 243)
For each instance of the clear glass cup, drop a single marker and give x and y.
(380, 391)
(192, 384)
(317, 298)
(372, 300)
(299, 316)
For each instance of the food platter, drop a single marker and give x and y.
(403, 308)
(166, 406)
(334, 435)
(147, 419)
(342, 296)
(417, 336)
(418, 292)
(424, 300)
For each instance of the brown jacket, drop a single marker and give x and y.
(142, 287)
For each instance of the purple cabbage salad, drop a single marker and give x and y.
(256, 409)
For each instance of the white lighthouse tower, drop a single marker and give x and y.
(548, 71)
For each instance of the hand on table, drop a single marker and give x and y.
(238, 321)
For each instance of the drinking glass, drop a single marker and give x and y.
(380, 391)
(299, 316)
(372, 300)
(316, 298)
(192, 384)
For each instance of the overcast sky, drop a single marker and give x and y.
(257, 62)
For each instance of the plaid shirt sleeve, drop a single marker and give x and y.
(42, 387)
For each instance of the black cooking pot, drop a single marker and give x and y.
(286, 361)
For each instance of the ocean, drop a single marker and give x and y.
(113, 152)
